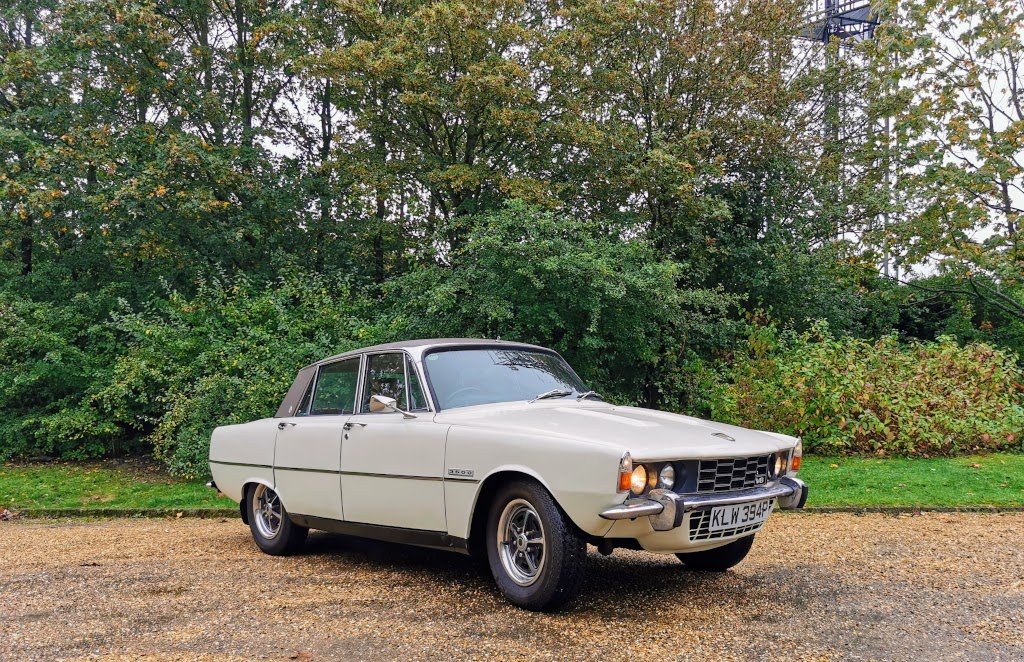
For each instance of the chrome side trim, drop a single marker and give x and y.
(242, 464)
(372, 475)
(309, 470)
(344, 473)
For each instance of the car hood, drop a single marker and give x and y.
(647, 434)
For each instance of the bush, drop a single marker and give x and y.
(611, 307)
(51, 354)
(847, 395)
(224, 355)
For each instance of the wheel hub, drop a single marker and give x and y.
(267, 511)
(521, 542)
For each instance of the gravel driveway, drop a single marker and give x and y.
(935, 586)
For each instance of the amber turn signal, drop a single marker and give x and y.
(625, 472)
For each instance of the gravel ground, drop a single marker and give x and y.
(931, 586)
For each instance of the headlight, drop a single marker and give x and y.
(780, 464)
(639, 480)
(667, 477)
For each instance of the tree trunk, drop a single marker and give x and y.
(326, 138)
(27, 243)
(245, 65)
(379, 217)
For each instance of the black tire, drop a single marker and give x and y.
(718, 559)
(288, 537)
(562, 559)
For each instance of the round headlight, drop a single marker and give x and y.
(779, 467)
(667, 477)
(639, 479)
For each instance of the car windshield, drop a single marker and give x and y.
(465, 377)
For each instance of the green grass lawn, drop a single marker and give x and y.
(100, 486)
(983, 480)
(988, 480)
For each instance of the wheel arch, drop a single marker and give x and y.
(485, 495)
(243, 505)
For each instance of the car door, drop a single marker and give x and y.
(307, 455)
(393, 466)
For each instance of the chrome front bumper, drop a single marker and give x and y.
(666, 509)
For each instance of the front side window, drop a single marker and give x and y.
(335, 391)
(385, 375)
(466, 377)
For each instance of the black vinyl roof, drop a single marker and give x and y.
(429, 343)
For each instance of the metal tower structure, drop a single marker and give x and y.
(847, 23)
(846, 20)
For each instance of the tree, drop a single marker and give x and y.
(951, 76)
(450, 107)
(613, 308)
(686, 98)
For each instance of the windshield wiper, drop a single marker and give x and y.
(589, 394)
(553, 393)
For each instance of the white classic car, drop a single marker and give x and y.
(497, 448)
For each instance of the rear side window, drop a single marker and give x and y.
(307, 397)
(335, 389)
(385, 375)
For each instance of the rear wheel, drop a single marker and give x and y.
(718, 559)
(536, 554)
(271, 528)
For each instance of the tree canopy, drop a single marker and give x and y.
(631, 182)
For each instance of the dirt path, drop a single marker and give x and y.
(935, 586)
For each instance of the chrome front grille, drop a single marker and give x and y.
(700, 527)
(732, 474)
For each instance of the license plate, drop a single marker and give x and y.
(745, 514)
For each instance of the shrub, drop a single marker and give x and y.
(611, 307)
(51, 354)
(847, 395)
(224, 355)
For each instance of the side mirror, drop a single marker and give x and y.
(382, 404)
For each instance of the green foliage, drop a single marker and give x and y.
(611, 178)
(612, 308)
(945, 305)
(847, 395)
(226, 354)
(950, 84)
(51, 353)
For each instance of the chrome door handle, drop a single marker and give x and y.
(283, 424)
(350, 425)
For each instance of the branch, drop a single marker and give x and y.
(1005, 303)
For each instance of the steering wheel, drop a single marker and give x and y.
(453, 398)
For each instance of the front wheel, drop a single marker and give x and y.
(718, 559)
(536, 554)
(271, 528)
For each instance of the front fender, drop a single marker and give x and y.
(580, 476)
